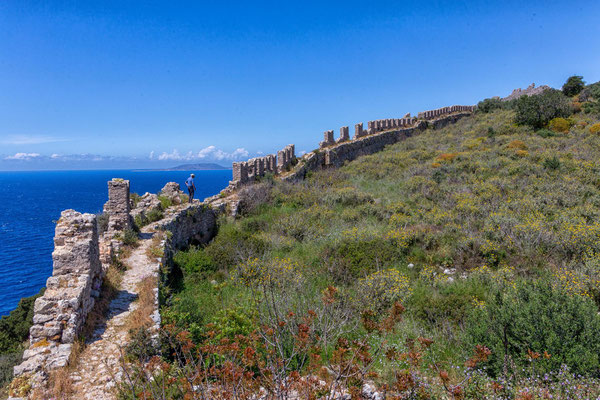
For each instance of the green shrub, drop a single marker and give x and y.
(595, 128)
(552, 163)
(102, 220)
(129, 237)
(448, 302)
(534, 316)
(356, 258)
(489, 105)
(165, 202)
(545, 133)
(537, 111)
(194, 261)
(594, 90)
(135, 199)
(573, 85)
(14, 328)
(592, 107)
(232, 246)
(154, 215)
(231, 322)
(140, 345)
(347, 196)
(7, 362)
(138, 221)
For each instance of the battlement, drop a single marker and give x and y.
(432, 114)
(248, 171)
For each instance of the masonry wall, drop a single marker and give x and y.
(70, 294)
(336, 155)
(344, 148)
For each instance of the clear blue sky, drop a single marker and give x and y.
(88, 84)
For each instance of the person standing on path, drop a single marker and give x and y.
(191, 186)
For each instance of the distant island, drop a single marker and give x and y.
(194, 167)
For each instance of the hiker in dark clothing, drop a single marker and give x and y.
(191, 187)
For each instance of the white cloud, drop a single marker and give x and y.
(174, 155)
(23, 156)
(206, 152)
(55, 156)
(239, 153)
(31, 139)
(218, 154)
(303, 152)
(151, 156)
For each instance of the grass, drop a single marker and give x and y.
(483, 194)
(141, 316)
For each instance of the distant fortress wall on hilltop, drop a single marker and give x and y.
(335, 152)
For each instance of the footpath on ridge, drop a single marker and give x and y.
(99, 367)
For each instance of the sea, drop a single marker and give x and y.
(31, 202)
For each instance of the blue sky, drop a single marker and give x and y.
(112, 84)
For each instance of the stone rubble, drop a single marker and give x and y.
(172, 191)
(531, 90)
(149, 202)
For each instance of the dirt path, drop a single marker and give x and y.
(98, 365)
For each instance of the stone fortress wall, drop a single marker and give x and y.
(333, 152)
(248, 171)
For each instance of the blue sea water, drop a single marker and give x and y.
(30, 202)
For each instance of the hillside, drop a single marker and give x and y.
(481, 239)
(460, 262)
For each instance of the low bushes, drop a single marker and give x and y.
(535, 317)
(14, 331)
(194, 262)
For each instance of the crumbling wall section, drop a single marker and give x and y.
(118, 206)
(60, 313)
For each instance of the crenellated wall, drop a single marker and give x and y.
(337, 154)
(248, 171)
(334, 152)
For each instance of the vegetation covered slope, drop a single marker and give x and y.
(483, 236)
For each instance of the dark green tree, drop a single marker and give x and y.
(536, 111)
(489, 105)
(573, 85)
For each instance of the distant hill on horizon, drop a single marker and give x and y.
(196, 167)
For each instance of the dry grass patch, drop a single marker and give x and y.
(155, 250)
(141, 316)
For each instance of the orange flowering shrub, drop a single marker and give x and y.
(448, 157)
(517, 145)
